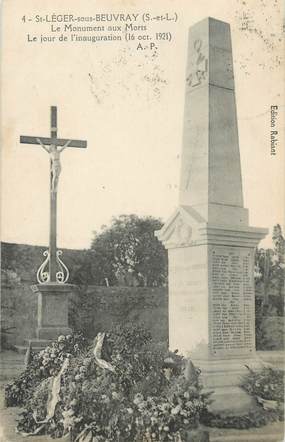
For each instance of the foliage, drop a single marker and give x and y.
(267, 384)
(20, 262)
(259, 332)
(270, 291)
(9, 279)
(270, 274)
(253, 419)
(270, 333)
(269, 330)
(145, 396)
(127, 253)
(43, 365)
(4, 334)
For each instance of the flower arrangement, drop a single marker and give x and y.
(139, 394)
(43, 365)
(267, 384)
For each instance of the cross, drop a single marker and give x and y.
(54, 146)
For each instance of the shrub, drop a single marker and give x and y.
(267, 387)
(270, 333)
(266, 384)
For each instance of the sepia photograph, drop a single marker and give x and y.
(142, 221)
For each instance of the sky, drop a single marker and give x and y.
(128, 104)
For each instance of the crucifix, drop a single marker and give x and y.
(54, 147)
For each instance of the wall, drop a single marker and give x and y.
(18, 309)
(92, 309)
(98, 308)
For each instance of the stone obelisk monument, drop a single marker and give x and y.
(209, 241)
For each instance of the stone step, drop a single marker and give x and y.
(22, 349)
(37, 345)
(11, 363)
(38, 342)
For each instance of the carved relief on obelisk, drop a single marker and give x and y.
(197, 72)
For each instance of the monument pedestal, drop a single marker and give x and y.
(223, 378)
(52, 312)
(212, 302)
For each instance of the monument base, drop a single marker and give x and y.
(223, 377)
(36, 344)
(52, 310)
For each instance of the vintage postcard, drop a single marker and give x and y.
(142, 220)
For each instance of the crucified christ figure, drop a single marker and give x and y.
(54, 153)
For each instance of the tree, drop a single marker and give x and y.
(128, 253)
(278, 267)
(270, 272)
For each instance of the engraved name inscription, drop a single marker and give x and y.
(232, 300)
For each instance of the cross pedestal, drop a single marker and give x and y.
(53, 310)
(52, 313)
